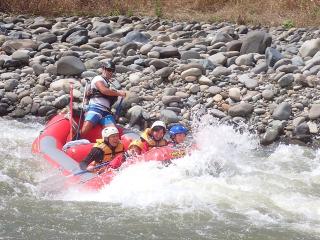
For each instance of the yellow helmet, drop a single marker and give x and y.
(136, 143)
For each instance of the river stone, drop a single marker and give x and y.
(17, 113)
(169, 116)
(191, 72)
(13, 97)
(217, 113)
(221, 71)
(301, 129)
(102, 29)
(272, 132)
(313, 127)
(234, 94)
(287, 68)
(170, 91)
(21, 55)
(195, 88)
(25, 101)
(64, 84)
(267, 94)
(234, 45)
(310, 48)
(47, 38)
(218, 59)
(286, 80)
(314, 112)
(164, 72)
(44, 110)
(205, 80)
(245, 59)
(170, 99)
(11, 46)
(130, 99)
(213, 90)
(70, 65)
(190, 55)
(11, 84)
(136, 36)
(260, 67)
(78, 38)
(256, 42)
(240, 110)
(282, 111)
(146, 48)
(128, 46)
(135, 114)
(167, 52)
(61, 101)
(272, 56)
(157, 63)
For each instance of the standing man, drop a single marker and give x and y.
(102, 97)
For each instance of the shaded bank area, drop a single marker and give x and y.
(288, 13)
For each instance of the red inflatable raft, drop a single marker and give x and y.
(51, 145)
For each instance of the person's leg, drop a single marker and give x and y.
(91, 119)
(108, 121)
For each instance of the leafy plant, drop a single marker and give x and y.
(158, 8)
(287, 24)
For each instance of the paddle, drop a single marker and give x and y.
(118, 109)
(77, 135)
(56, 183)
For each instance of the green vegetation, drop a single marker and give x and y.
(287, 24)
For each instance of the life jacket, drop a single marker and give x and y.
(109, 153)
(149, 142)
(95, 93)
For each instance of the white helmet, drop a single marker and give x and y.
(106, 132)
(158, 124)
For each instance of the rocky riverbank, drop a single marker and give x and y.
(267, 78)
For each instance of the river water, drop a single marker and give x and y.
(256, 193)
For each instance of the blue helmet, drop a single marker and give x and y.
(176, 129)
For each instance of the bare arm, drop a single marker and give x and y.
(107, 91)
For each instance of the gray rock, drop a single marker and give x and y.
(217, 113)
(11, 84)
(167, 52)
(272, 56)
(61, 101)
(213, 90)
(260, 67)
(234, 94)
(146, 48)
(11, 46)
(131, 98)
(18, 113)
(221, 71)
(135, 113)
(267, 94)
(221, 37)
(246, 60)
(286, 80)
(78, 38)
(136, 36)
(47, 38)
(256, 42)
(191, 72)
(164, 72)
(218, 59)
(21, 55)
(314, 112)
(44, 110)
(301, 129)
(169, 116)
(25, 101)
(282, 111)
(273, 131)
(157, 63)
(234, 45)
(190, 55)
(241, 110)
(169, 99)
(70, 65)
(125, 48)
(102, 29)
(250, 83)
(310, 48)
(287, 68)
(205, 80)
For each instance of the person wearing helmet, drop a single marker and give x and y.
(135, 148)
(154, 136)
(101, 97)
(104, 150)
(177, 134)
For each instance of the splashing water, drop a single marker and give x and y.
(228, 188)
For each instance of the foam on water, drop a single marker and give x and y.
(268, 186)
(229, 175)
